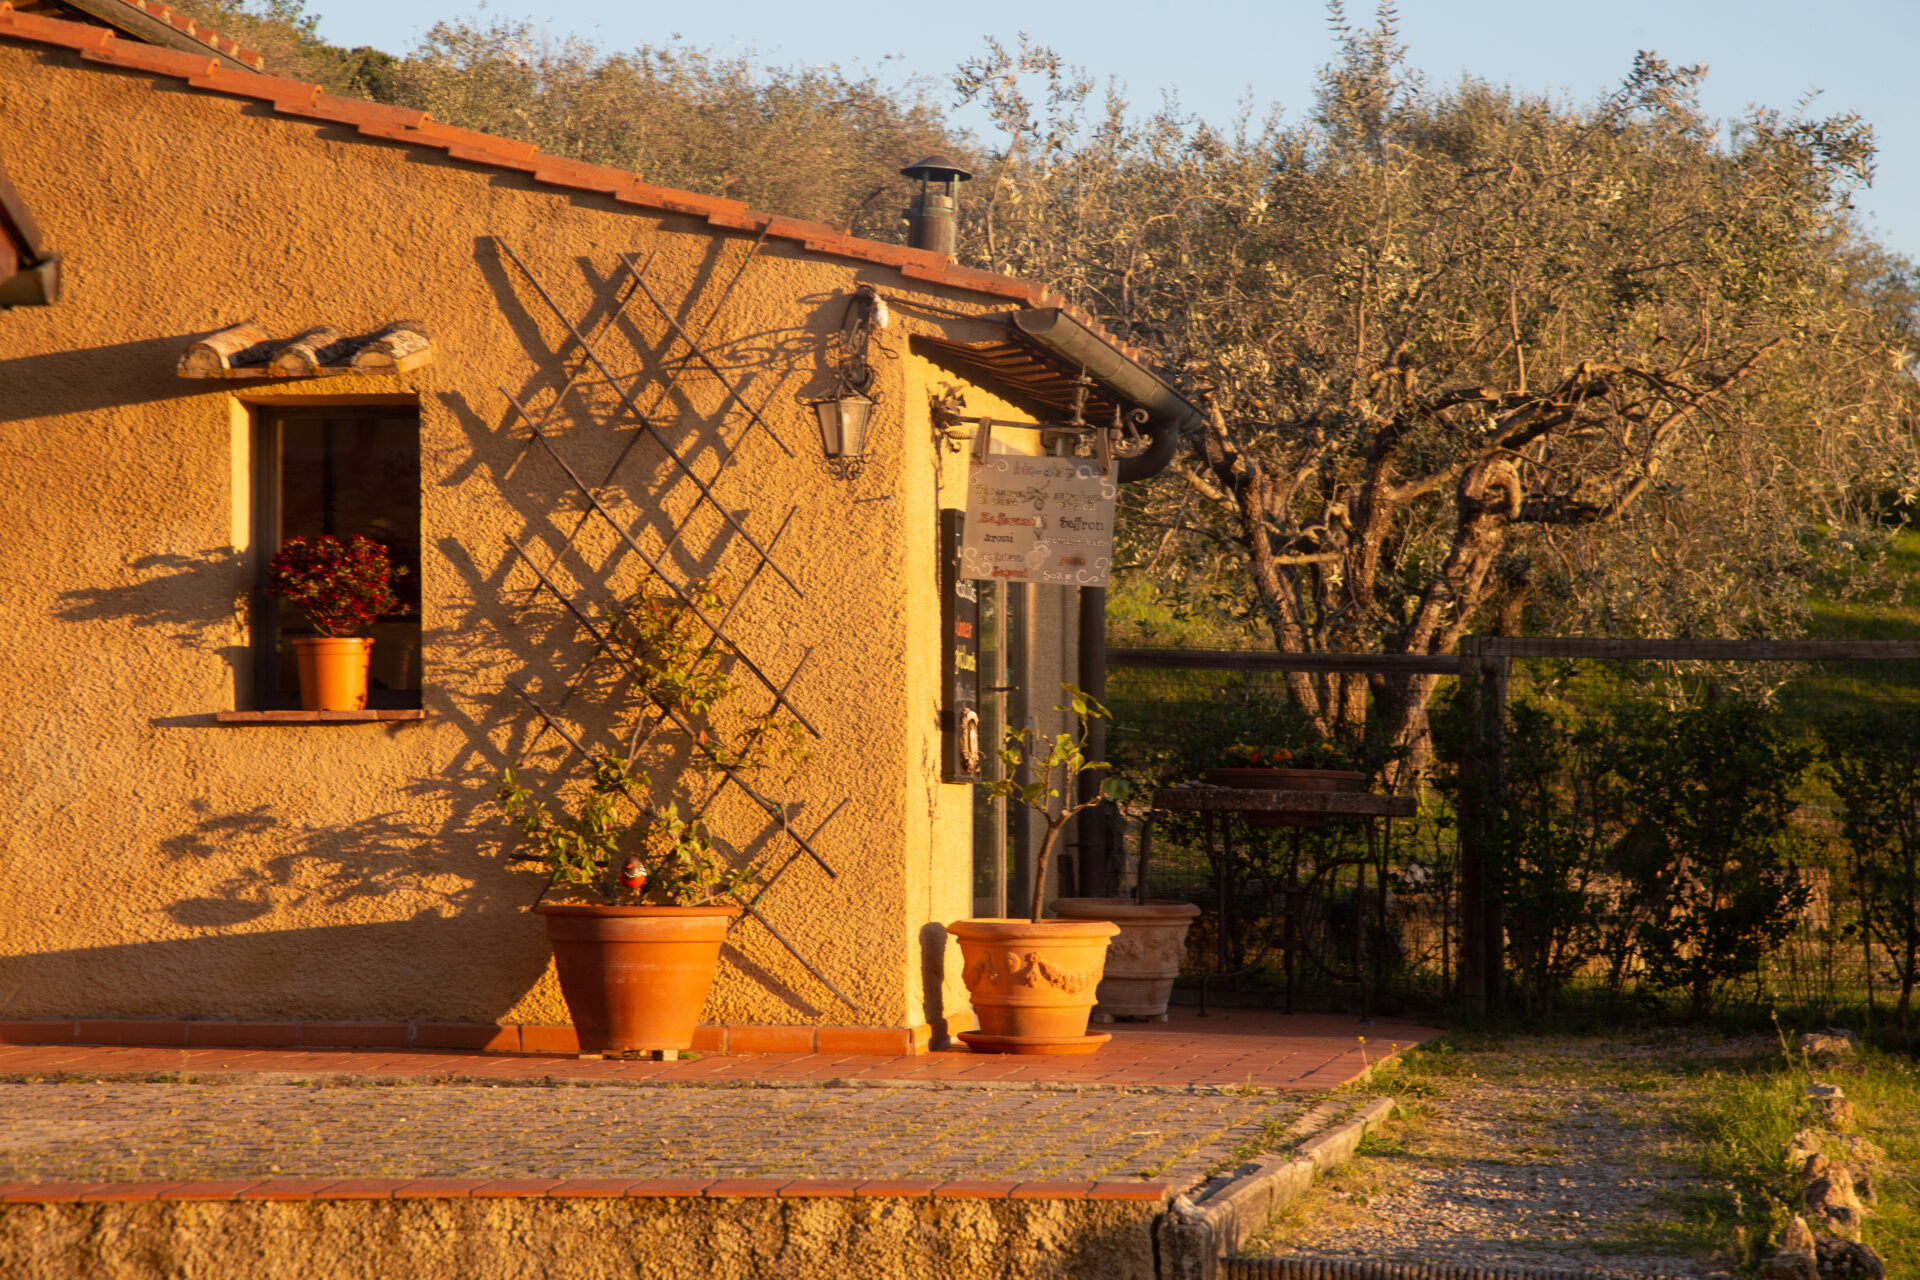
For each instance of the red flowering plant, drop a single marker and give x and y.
(340, 585)
(1243, 755)
(1317, 755)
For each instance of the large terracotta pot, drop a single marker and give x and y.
(1143, 959)
(1032, 985)
(1286, 780)
(333, 672)
(635, 977)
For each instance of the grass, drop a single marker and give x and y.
(1696, 1123)
(1886, 1092)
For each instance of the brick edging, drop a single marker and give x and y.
(482, 1037)
(1194, 1237)
(312, 1189)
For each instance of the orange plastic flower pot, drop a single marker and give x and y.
(635, 978)
(333, 672)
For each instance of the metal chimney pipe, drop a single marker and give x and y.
(933, 219)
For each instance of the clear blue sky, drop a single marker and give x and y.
(1862, 55)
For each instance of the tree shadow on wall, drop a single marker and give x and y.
(62, 383)
(470, 946)
(193, 600)
(291, 868)
(467, 967)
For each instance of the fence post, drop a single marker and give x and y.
(1483, 925)
(1493, 862)
(1473, 877)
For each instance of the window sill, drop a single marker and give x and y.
(319, 717)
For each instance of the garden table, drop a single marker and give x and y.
(1208, 801)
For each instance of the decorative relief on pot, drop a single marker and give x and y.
(1138, 945)
(1027, 969)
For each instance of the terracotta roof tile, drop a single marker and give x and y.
(499, 159)
(253, 84)
(373, 128)
(358, 112)
(473, 138)
(597, 177)
(71, 35)
(399, 124)
(150, 57)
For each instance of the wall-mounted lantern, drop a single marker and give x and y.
(843, 430)
(845, 415)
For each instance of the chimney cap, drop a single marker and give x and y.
(936, 168)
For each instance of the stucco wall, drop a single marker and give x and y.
(161, 865)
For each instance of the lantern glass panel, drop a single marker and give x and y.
(855, 413)
(828, 411)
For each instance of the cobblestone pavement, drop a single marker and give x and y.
(82, 1131)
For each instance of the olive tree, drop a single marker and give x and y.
(1471, 357)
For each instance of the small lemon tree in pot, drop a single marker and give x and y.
(1033, 981)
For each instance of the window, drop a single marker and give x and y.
(340, 470)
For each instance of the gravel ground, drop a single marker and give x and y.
(1547, 1152)
(118, 1131)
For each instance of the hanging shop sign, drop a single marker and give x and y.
(1038, 520)
(960, 661)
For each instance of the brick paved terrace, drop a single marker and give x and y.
(182, 1160)
(1233, 1048)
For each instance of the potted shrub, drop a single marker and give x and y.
(342, 587)
(1268, 768)
(1033, 981)
(633, 910)
(638, 901)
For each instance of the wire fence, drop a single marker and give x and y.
(1703, 836)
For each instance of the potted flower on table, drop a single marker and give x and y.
(342, 586)
(1274, 768)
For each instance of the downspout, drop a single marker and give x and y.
(1169, 413)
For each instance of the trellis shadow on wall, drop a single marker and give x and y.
(630, 430)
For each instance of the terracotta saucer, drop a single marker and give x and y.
(1050, 1046)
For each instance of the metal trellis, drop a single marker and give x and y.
(581, 355)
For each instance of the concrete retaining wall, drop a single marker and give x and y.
(835, 1238)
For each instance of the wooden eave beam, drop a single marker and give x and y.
(146, 28)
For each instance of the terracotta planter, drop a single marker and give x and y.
(635, 977)
(1143, 960)
(1286, 780)
(1033, 985)
(333, 672)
